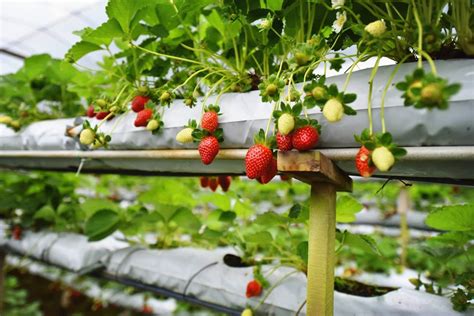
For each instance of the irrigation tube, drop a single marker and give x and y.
(138, 285)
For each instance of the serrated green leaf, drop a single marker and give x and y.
(452, 218)
(302, 251)
(46, 213)
(80, 49)
(270, 219)
(105, 33)
(259, 238)
(227, 216)
(100, 225)
(346, 208)
(185, 218)
(125, 10)
(363, 242)
(295, 211)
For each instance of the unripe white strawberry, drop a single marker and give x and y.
(286, 123)
(383, 158)
(318, 93)
(247, 312)
(376, 28)
(5, 119)
(152, 125)
(185, 135)
(432, 93)
(87, 136)
(333, 110)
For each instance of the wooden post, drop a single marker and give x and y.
(321, 237)
(2, 281)
(325, 179)
(403, 205)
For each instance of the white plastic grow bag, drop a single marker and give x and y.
(202, 274)
(170, 269)
(244, 114)
(70, 251)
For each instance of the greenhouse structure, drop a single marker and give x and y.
(237, 157)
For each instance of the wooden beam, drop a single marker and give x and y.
(312, 167)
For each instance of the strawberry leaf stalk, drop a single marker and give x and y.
(258, 157)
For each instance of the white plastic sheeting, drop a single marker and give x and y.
(67, 250)
(244, 114)
(198, 272)
(202, 274)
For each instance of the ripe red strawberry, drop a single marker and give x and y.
(213, 184)
(208, 149)
(16, 232)
(362, 160)
(305, 138)
(143, 117)
(90, 111)
(270, 172)
(257, 159)
(204, 182)
(102, 115)
(224, 182)
(75, 293)
(147, 309)
(254, 288)
(210, 121)
(138, 103)
(284, 142)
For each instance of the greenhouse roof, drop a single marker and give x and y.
(29, 27)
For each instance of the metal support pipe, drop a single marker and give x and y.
(454, 153)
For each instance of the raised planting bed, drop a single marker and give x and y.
(70, 251)
(439, 142)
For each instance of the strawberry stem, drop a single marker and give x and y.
(270, 120)
(420, 33)
(387, 86)
(371, 86)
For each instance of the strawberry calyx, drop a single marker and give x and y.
(198, 134)
(261, 139)
(302, 122)
(213, 108)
